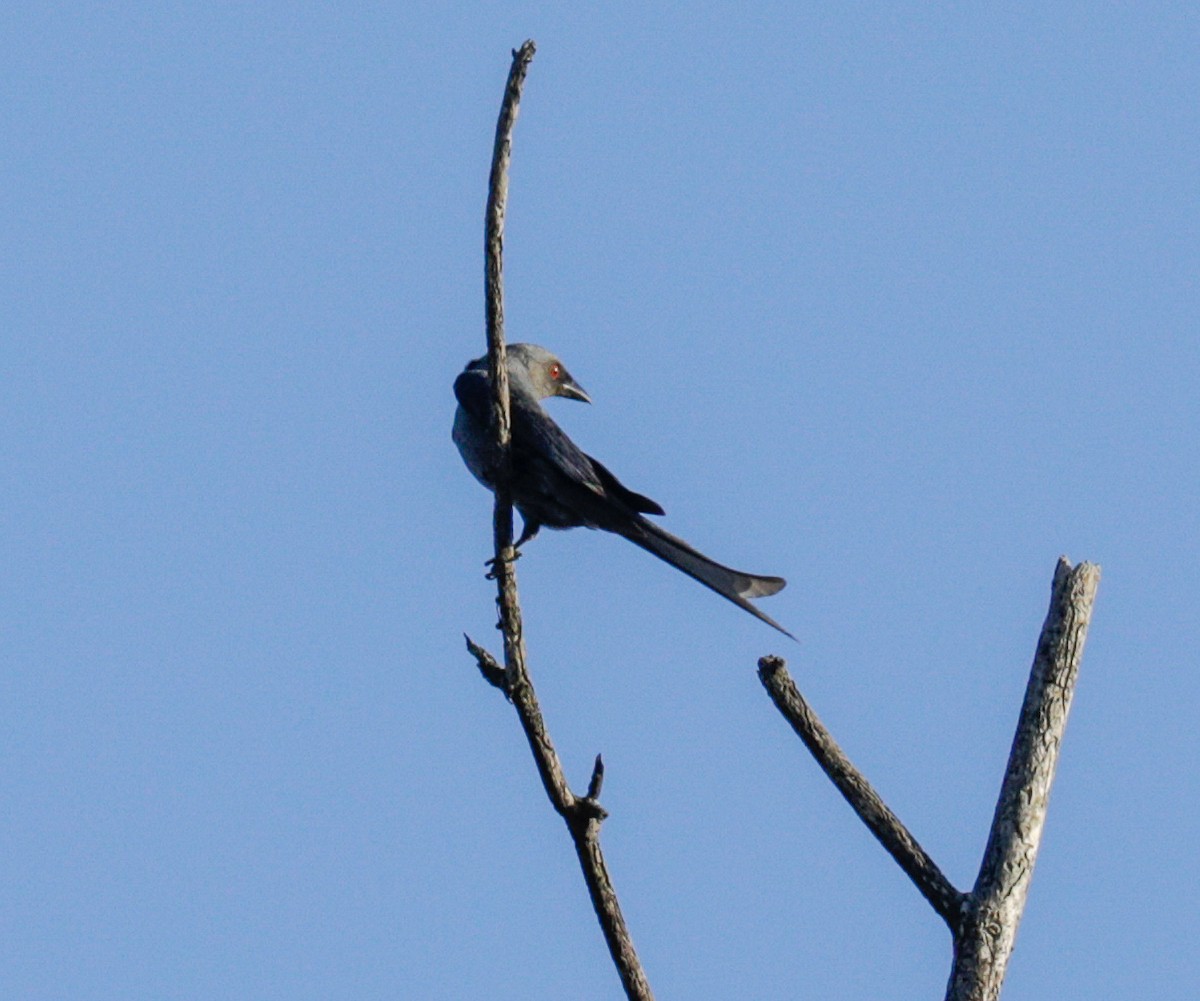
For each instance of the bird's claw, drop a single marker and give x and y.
(491, 574)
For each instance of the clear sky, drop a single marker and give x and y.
(897, 301)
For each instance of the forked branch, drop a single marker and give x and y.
(983, 922)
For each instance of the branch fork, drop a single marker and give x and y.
(984, 922)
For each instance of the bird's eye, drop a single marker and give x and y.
(555, 371)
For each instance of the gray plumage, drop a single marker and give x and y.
(556, 485)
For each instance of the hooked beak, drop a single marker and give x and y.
(573, 391)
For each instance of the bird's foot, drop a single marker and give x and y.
(491, 574)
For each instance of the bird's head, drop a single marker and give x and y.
(543, 374)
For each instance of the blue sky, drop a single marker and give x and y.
(897, 302)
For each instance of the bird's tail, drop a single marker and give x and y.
(732, 584)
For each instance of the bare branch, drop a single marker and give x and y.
(604, 900)
(983, 922)
(985, 940)
(583, 815)
(502, 521)
(864, 800)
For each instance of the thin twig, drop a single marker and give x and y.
(583, 815)
(865, 801)
(597, 779)
(502, 520)
(492, 672)
(988, 931)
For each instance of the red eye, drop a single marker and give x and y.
(555, 371)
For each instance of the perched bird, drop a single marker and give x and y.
(557, 485)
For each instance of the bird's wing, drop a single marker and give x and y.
(615, 488)
(471, 391)
(584, 483)
(538, 441)
(542, 454)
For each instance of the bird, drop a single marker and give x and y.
(555, 484)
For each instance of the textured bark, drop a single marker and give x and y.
(582, 814)
(983, 922)
(493, 252)
(988, 931)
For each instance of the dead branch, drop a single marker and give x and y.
(985, 938)
(865, 801)
(983, 922)
(583, 815)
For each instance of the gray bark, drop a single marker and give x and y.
(988, 931)
(983, 922)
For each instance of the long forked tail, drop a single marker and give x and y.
(732, 584)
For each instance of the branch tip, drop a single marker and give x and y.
(488, 666)
(769, 666)
(597, 779)
(858, 792)
(987, 931)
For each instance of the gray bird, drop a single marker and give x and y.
(556, 484)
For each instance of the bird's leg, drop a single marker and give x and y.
(528, 530)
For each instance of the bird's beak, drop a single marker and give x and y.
(573, 391)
